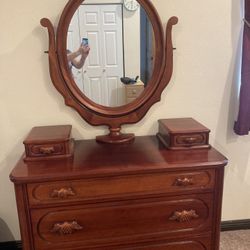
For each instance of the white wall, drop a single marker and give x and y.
(202, 86)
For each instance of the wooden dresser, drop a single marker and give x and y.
(131, 196)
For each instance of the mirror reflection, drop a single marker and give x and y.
(110, 50)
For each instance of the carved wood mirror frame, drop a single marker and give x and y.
(96, 114)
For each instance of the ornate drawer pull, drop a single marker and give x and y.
(183, 182)
(66, 228)
(184, 216)
(47, 150)
(62, 193)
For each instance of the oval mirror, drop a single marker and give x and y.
(110, 51)
(109, 60)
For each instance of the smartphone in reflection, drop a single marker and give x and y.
(85, 41)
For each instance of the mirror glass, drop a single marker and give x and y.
(110, 50)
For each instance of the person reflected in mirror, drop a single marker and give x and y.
(73, 59)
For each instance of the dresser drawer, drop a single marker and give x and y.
(46, 149)
(194, 243)
(109, 223)
(190, 140)
(134, 91)
(201, 243)
(118, 187)
(131, 99)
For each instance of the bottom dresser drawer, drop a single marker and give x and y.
(200, 243)
(118, 222)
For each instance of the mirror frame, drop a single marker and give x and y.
(96, 114)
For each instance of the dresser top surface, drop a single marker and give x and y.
(92, 159)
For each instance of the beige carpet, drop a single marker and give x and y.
(235, 240)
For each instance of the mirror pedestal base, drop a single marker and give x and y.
(116, 139)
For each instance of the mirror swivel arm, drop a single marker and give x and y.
(45, 22)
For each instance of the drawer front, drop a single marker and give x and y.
(203, 242)
(129, 100)
(118, 187)
(134, 91)
(196, 244)
(129, 221)
(190, 140)
(45, 150)
(191, 245)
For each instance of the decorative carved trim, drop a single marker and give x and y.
(66, 228)
(62, 193)
(183, 182)
(47, 150)
(184, 216)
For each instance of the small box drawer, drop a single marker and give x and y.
(118, 187)
(120, 222)
(49, 142)
(190, 140)
(183, 133)
(46, 149)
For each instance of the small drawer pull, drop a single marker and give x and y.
(47, 150)
(66, 228)
(184, 216)
(183, 182)
(62, 193)
(191, 140)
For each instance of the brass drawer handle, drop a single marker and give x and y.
(184, 182)
(62, 193)
(66, 228)
(184, 216)
(47, 150)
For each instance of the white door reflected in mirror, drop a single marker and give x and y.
(110, 43)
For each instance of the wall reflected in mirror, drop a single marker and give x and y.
(107, 47)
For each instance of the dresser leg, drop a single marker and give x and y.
(218, 207)
(24, 218)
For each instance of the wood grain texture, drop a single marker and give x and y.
(122, 197)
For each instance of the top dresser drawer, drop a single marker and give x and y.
(118, 187)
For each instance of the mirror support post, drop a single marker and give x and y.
(116, 137)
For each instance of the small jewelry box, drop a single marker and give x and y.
(183, 133)
(49, 142)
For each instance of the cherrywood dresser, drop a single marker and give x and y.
(127, 196)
